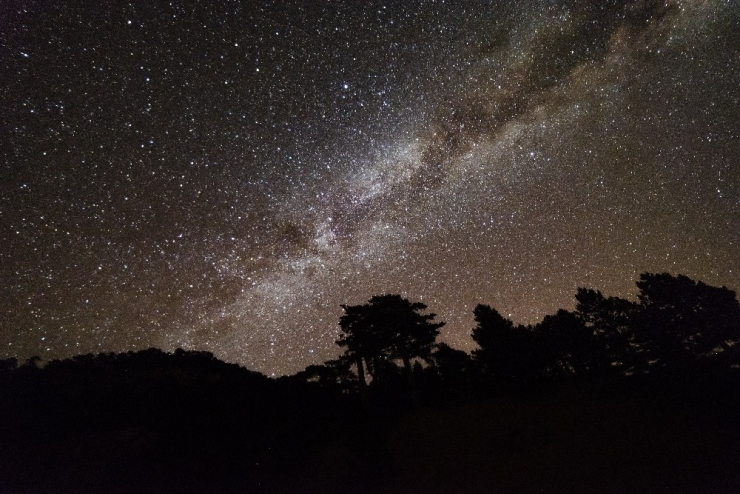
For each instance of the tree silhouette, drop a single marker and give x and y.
(611, 320)
(333, 374)
(506, 352)
(386, 329)
(361, 347)
(568, 345)
(682, 319)
(452, 364)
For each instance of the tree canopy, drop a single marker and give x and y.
(388, 328)
(676, 322)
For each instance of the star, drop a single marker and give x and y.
(224, 180)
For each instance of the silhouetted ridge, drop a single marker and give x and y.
(153, 421)
(616, 395)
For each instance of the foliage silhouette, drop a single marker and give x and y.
(387, 329)
(632, 396)
(611, 319)
(682, 320)
(455, 367)
(334, 375)
(507, 352)
(676, 324)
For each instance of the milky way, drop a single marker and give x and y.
(221, 176)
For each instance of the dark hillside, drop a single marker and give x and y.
(156, 422)
(186, 422)
(616, 396)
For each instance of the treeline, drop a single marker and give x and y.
(151, 421)
(675, 325)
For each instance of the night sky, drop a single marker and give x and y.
(221, 176)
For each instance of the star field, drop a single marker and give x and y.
(221, 176)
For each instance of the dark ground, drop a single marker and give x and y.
(152, 422)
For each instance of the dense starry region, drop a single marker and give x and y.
(221, 176)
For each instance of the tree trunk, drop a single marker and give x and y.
(407, 369)
(410, 385)
(361, 373)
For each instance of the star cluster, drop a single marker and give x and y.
(222, 175)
